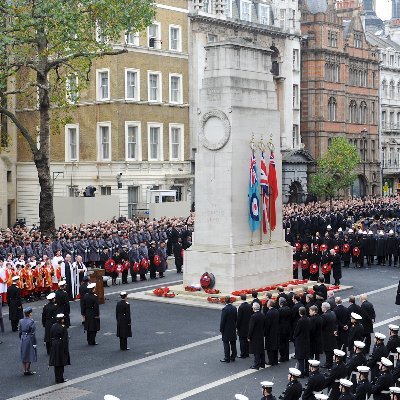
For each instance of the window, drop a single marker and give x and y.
(154, 35)
(358, 40)
(373, 79)
(206, 6)
(296, 60)
(155, 142)
(175, 88)
(391, 120)
(383, 119)
(133, 200)
(332, 107)
(175, 43)
(398, 120)
(105, 190)
(132, 38)
(363, 112)
(72, 88)
(103, 84)
(372, 150)
(264, 13)
(73, 191)
(391, 89)
(9, 176)
(132, 80)
(353, 112)
(71, 142)
(133, 150)
(282, 18)
(176, 142)
(391, 60)
(228, 8)
(332, 39)
(293, 19)
(295, 137)
(373, 113)
(212, 38)
(295, 96)
(245, 10)
(384, 88)
(398, 90)
(154, 87)
(104, 141)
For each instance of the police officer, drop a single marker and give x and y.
(345, 392)
(293, 388)
(378, 352)
(315, 381)
(266, 390)
(380, 388)
(363, 388)
(337, 372)
(123, 315)
(91, 312)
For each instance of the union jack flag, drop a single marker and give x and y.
(254, 212)
(264, 193)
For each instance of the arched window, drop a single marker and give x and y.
(384, 88)
(391, 90)
(398, 89)
(353, 112)
(363, 112)
(337, 72)
(332, 107)
(398, 120)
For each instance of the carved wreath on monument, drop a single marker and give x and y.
(215, 130)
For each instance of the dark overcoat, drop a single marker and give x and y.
(63, 307)
(272, 329)
(14, 303)
(123, 316)
(91, 312)
(228, 323)
(48, 319)
(301, 337)
(243, 319)
(316, 345)
(256, 333)
(59, 350)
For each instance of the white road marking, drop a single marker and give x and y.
(375, 291)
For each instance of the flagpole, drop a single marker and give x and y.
(252, 152)
(271, 148)
(261, 146)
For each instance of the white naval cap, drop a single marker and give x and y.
(339, 353)
(391, 232)
(59, 316)
(386, 362)
(340, 230)
(241, 397)
(395, 389)
(360, 232)
(393, 327)
(314, 363)
(122, 294)
(320, 396)
(15, 278)
(267, 384)
(51, 296)
(346, 382)
(364, 232)
(294, 372)
(363, 368)
(398, 349)
(380, 336)
(351, 230)
(359, 344)
(356, 316)
(370, 233)
(110, 397)
(91, 285)
(380, 233)
(328, 227)
(62, 283)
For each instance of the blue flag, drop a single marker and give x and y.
(254, 201)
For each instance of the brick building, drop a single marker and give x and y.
(130, 126)
(340, 87)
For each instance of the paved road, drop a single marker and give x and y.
(175, 351)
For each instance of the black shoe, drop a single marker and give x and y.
(29, 373)
(263, 365)
(232, 359)
(242, 356)
(64, 380)
(254, 367)
(225, 361)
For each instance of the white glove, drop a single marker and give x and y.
(34, 346)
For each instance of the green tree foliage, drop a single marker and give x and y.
(336, 169)
(45, 44)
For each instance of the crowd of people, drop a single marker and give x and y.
(137, 247)
(317, 324)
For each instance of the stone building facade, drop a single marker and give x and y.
(340, 88)
(271, 24)
(130, 130)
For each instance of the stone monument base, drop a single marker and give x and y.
(241, 267)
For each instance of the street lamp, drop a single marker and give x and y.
(364, 134)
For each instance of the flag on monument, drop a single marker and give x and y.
(264, 192)
(254, 208)
(273, 194)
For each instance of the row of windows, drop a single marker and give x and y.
(133, 142)
(333, 41)
(392, 91)
(393, 122)
(358, 114)
(132, 86)
(366, 148)
(390, 157)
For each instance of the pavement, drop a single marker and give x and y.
(175, 350)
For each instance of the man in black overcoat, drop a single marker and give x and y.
(49, 314)
(315, 333)
(301, 337)
(272, 333)
(329, 327)
(256, 336)
(59, 349)
(368, 315)
(344, 321)
(91, 312)
(228, 330)
(285, 319)
(63, 303)
(242, 325)
(123, 316)
(14, 304)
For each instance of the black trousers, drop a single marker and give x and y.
(303, 366)
(91, 337)
(14, 325)
(329, 358)
(123, 343)
(284, 347)
(244, 346)
(230, 351)
(272, 357)
(367, 341)
(124, 276)
(59, 374)
(327, 278)
(48, 346)
(259, 359)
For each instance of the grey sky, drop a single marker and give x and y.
(384, 9)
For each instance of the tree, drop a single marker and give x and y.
(336, 169)
(44, 45)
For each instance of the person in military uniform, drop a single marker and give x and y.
(356, 359)
(394, 393)
(14, 304)
(345, 390)
(378, 352)
(380, 387)
(393, 341)
(337, 372)
(48, 319)
(396, 369)
(123, 315)
(62, 302)
(91, 312)
(293, 388)
(356, 331)
(315, 381)
(266, 390)
(363, 388)
(59, 350)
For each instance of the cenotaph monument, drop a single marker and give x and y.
(238, 99)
